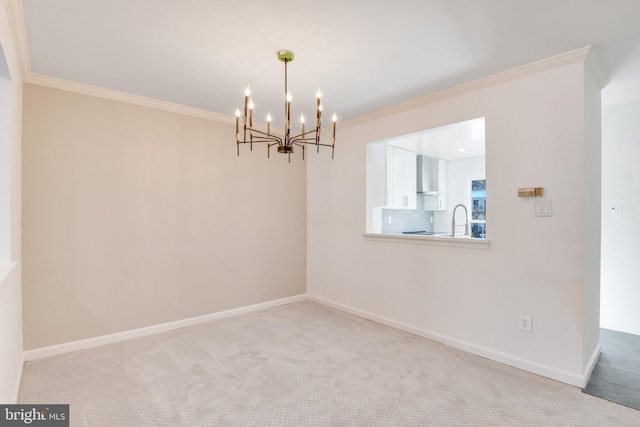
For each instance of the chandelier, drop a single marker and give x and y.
(251, 135)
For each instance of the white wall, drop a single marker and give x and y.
(135, 217)
(535, 136)
(5, 138)
(11, 360)
(620, 293)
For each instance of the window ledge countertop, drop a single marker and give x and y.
(456, 242)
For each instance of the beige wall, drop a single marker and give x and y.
(135, 217)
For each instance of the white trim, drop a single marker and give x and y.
(458, 242)
(585, 54)
(16, 17)
(595, 68)
(18, 381)
(592, 364)
(5, 270)
(505, 358)
(567, 58)
(68, 347)
(497, 356)
(114, 95)
(16, 24)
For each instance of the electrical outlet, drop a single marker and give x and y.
(317, 275)
(525, 323)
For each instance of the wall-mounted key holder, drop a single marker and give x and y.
(530, 192)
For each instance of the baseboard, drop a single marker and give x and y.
(505, 358)
(497, 356)
(18, 381)
(592, 364)
(68, 347)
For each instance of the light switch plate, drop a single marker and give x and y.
(543, 208)
(616, 211)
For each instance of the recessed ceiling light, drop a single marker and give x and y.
(461, 149)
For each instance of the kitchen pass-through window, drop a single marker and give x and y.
(416, 181)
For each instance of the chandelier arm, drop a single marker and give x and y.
(268, 135)
(301, 143)
(313, 131)
(272, 141)
(327, 145)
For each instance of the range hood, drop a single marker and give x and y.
(428, 175)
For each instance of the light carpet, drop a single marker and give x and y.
(303, 364)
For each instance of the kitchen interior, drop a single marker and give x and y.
(430, 183)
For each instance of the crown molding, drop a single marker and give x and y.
(585, 54)
(577, 55)
(595, 68)
(17, 24)
(17, 28)
(114, 95)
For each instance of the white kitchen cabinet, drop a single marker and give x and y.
(438, 200)
(401, 178)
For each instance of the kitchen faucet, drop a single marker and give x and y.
(466, 223)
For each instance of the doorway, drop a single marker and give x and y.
(616, 376)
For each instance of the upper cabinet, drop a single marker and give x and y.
(391, 177)
(432, 182)
(401, 178)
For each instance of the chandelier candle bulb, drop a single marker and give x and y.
(247, 93)
(302, 127)
(334, 119)
(237, 122)
(318, 96)
(268, 124)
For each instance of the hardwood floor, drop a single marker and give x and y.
(616, 376)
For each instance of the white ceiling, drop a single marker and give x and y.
(451, 142)
(364, 54)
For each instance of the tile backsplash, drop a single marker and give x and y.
(395, 221)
